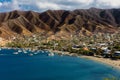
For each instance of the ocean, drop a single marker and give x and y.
(40, 66)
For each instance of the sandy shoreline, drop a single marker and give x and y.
(112, 63)
(108, 61)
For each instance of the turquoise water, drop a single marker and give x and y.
(40, 66)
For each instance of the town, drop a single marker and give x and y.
(100, 44)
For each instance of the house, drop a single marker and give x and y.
(77, 47)
(116, 54)
(106, 53)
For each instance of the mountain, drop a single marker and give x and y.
(60, 22)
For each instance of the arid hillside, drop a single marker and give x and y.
(60, 22)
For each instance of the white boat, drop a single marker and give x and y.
(62, 54)
(30, 50)
(19, 50)
(38, 51)
(35, 53)
(16, 53)
(51, 54)
(42, 51)
(25, 52)
(30, 54)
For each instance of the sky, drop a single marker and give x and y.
(43, 5)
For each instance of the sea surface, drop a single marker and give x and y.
(37, 65)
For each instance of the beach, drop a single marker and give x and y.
(108, 61)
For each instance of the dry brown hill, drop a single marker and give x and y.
(60, 22)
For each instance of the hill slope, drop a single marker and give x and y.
(60, 22)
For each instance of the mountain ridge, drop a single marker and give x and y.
(60, 22)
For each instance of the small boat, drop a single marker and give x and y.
(15, 53)
(38, 51)
(62, 54)
(19, 50)
(46, 51)
(25, 52)
(51, 54)
(29, 50)
(30, 54)
(35, 53)
(42, 51)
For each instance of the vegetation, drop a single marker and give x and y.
(79, 45)
(76, 44)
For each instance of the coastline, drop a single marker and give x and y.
(107, 61)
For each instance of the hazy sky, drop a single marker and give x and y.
(42, 5)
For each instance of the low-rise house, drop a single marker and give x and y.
(116, 54)
(77, 47)
(107, 53)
